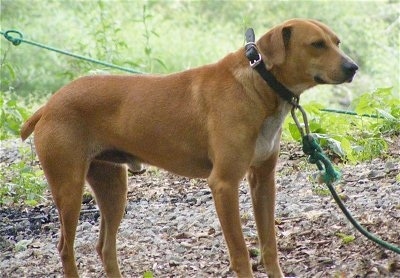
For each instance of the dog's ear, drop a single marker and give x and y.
(275, 44)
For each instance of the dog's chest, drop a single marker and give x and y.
(269, 136)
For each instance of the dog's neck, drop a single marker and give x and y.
(276, 85)
(256, 62)
(291, 82)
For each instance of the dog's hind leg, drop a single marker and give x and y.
(65, 171)
(262, 185)
(109, 184)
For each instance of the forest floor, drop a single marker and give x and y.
(171, 229)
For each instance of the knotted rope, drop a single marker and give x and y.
(329, 174)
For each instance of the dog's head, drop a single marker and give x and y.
(305, 53)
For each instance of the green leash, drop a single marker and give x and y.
(16, 38)
(330, 175)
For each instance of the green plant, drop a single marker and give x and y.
(102, 43)
(355, 137)
(23, 244)
(12, 115)
(148, 274)
(383, 103)
(254, 252)
(320, 190)
(346, 239)
(22, 181)
(148, 33)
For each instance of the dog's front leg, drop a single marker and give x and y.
(225, 194)
(262, 184)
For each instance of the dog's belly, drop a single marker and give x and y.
(188, 166)
(179, 155)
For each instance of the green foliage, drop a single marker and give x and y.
(384, 104)
(22, 182)
(148, 33)
(355, 138)
(23, 244)
(346, 239)
(148, 274)
(320, 190)
(12, 113)
(254, 252)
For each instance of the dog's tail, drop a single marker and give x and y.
(28, 127)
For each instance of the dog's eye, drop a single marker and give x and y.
(319, 44)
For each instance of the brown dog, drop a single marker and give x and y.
(219, 122)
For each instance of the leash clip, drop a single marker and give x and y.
(305, 128)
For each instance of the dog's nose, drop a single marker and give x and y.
(349, 68)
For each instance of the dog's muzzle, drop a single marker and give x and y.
(349, 69)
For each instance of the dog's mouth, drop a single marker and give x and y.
(350, 79)
(319, 80)
(346, 74)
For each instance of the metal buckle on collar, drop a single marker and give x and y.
(252, 54)
(255, 63)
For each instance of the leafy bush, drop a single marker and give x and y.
(12, 112)
(22, 182)
(12, 115)
(355, 137)
(385, 105)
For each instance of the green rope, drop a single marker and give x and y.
(338, 111)
(16, 38)
(317, 156)
(329, 176)
(357, 225)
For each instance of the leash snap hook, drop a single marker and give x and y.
(295, 101)
(296, 121)
(303, 128)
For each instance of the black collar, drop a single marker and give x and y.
(257, 63)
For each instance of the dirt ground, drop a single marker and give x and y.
(170, 228)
